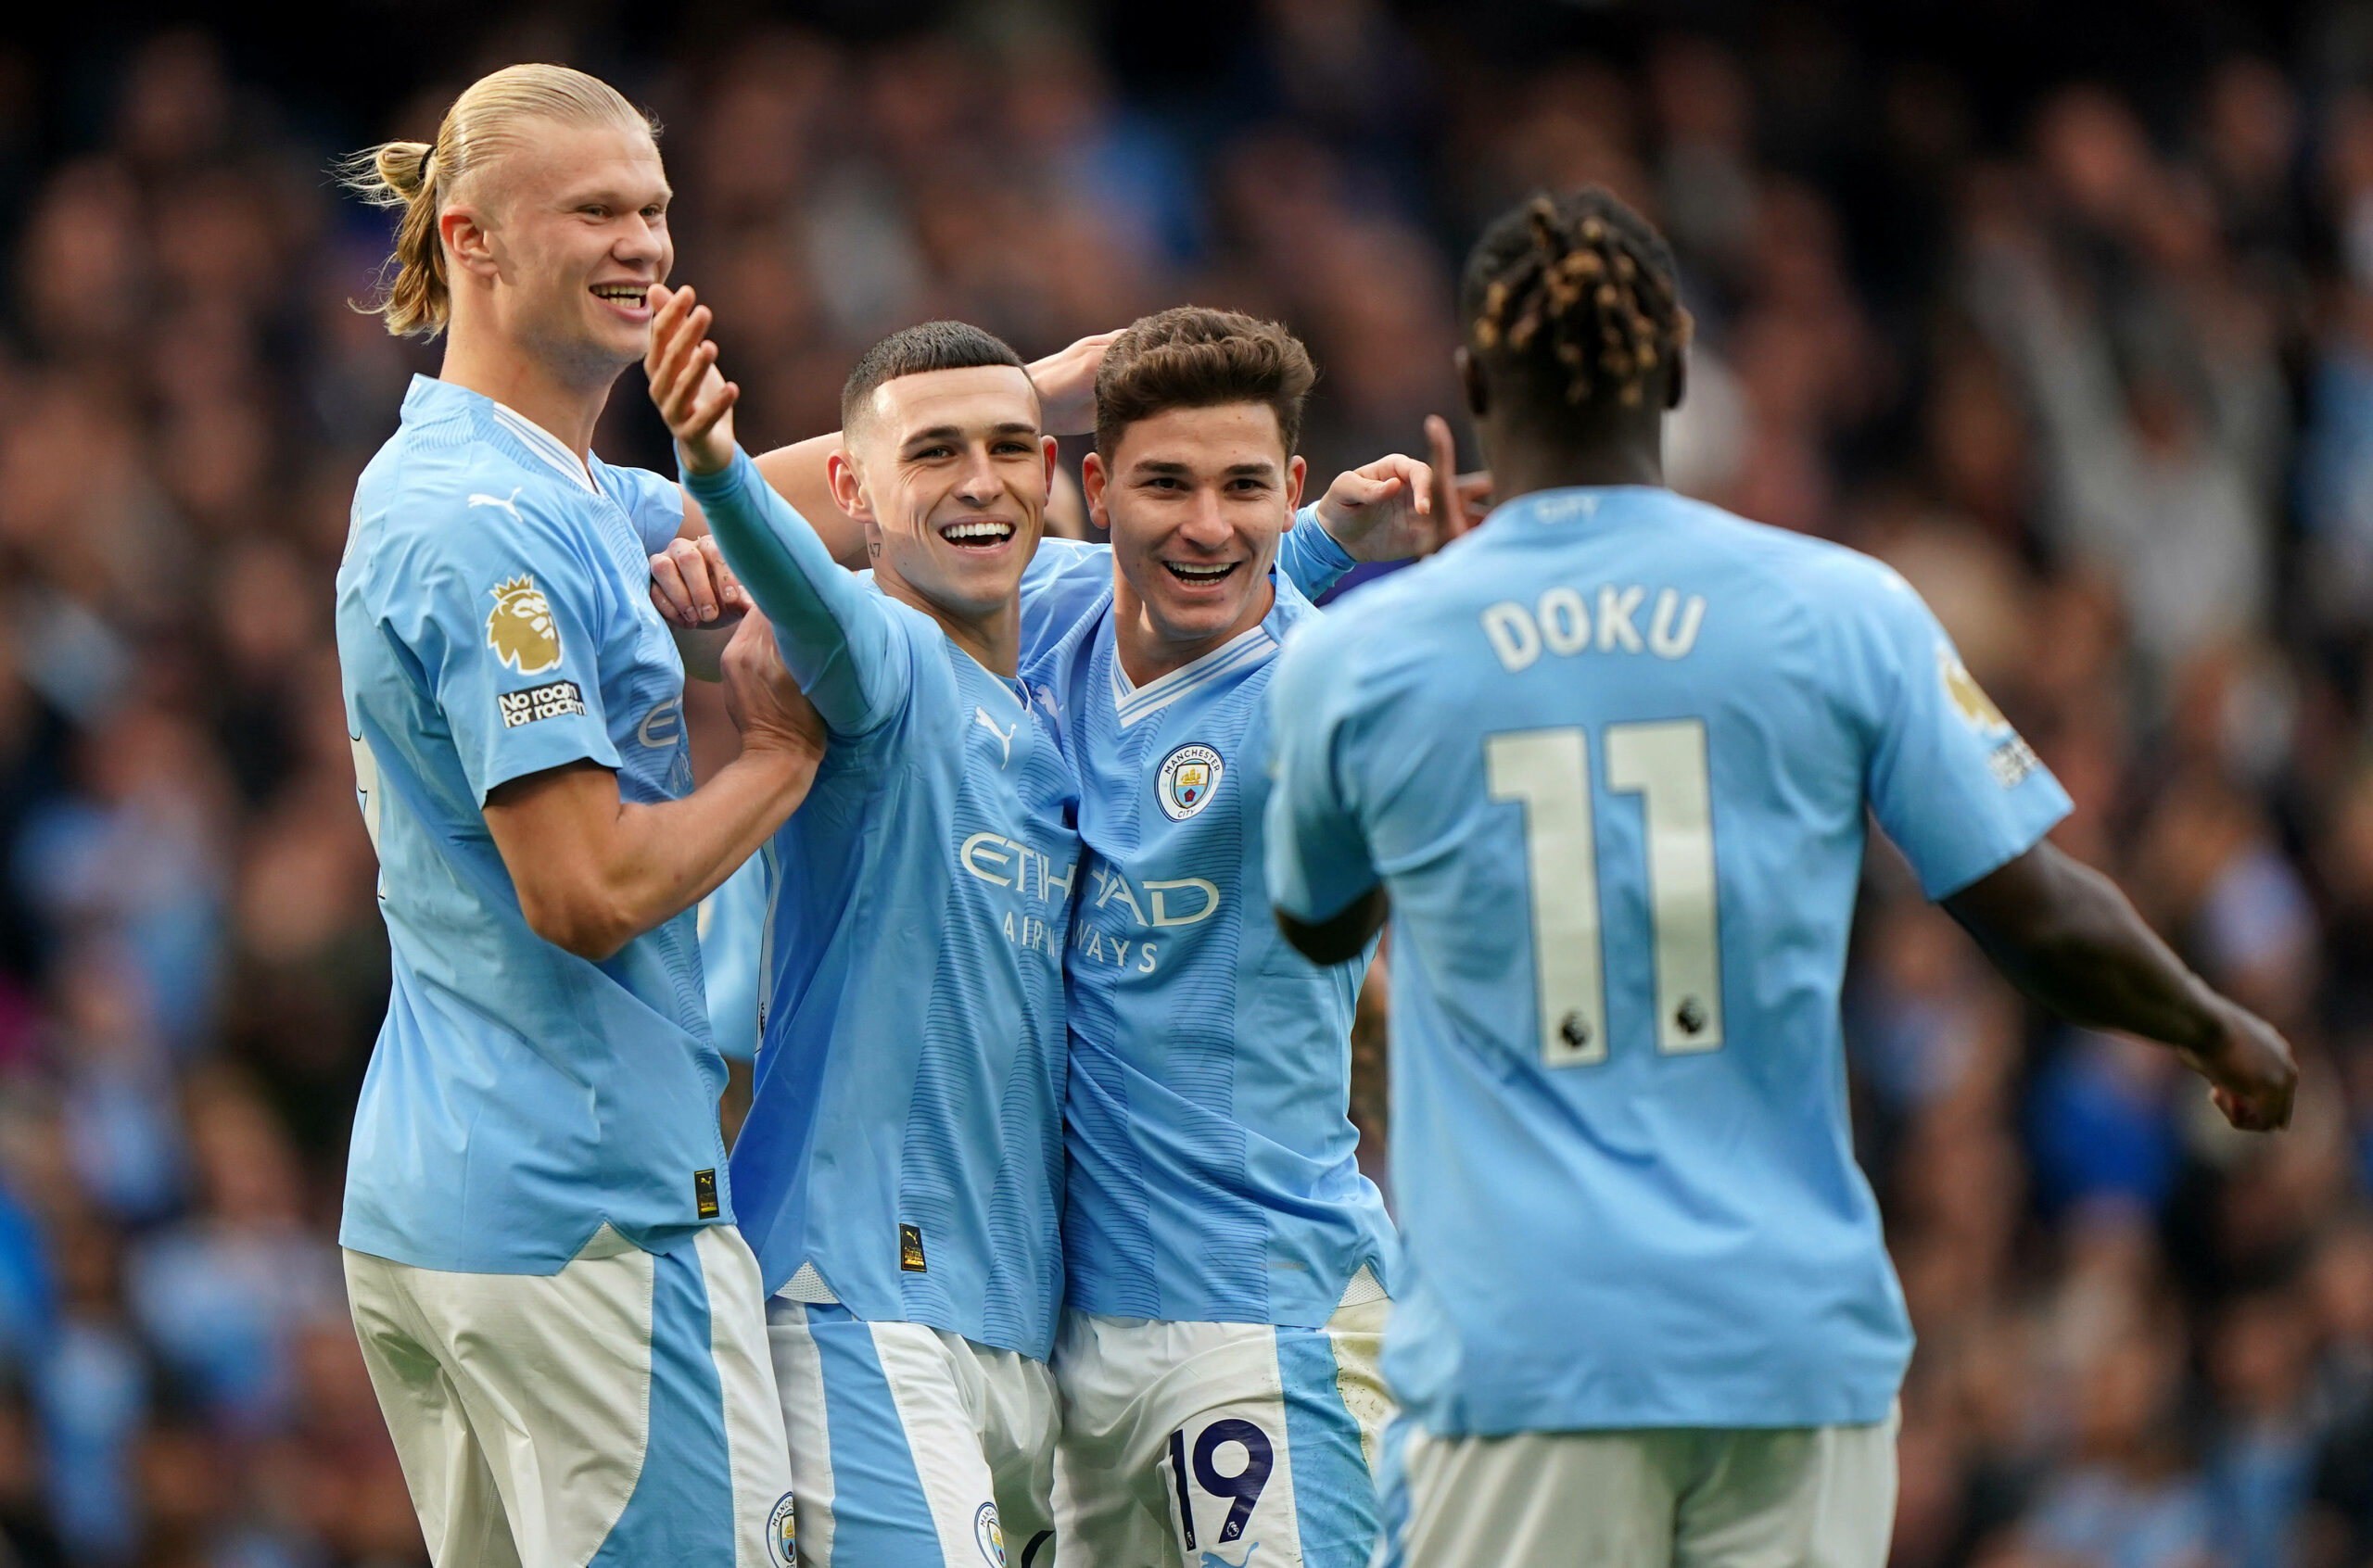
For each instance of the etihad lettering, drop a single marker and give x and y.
(1009, 863)
(1184, 901)
(1205, 896)
(1565, 623)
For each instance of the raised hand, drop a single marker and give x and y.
(1066, 383)
(692, 396)
(1460, 499)
(693, 586)
(1382, 511)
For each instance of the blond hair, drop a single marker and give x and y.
(483, 124)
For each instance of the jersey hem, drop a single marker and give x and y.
(659, 1240)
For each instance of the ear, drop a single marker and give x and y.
(1053, 452)
(467, 241)
(1471, 382)
(849, 487)
(1676, 381)
(1092, 478)
(1297, 476)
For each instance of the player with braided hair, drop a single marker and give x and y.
(1581, 295)
(1606, 767)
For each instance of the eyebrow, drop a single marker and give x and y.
(1236, 470)
(956, 433)
(613, 195)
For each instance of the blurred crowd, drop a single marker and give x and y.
(2095, 374)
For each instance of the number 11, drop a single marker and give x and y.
(1548, 772)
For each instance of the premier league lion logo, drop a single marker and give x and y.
(1977, 709)
(520, 627)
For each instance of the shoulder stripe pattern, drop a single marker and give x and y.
(1245, 651)
(545, 445)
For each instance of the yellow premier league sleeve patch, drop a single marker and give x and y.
(520, 627)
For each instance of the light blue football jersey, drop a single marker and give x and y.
(1211, 1175)
(906, 1138)
(1610, 755)
(732, 921)
(494, 620)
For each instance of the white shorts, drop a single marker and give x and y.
(912, 1446)
(1219, 1445)
(1820, 1496)
(619, 1412)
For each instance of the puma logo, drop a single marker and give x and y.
(1005, 735)
(506, 502)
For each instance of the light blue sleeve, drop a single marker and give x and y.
(503, 617)
(1317, 852)
(730, 926)
(840, 638)
(1955, 787)
(1063, 580)
(653, 504)
(1309, 556)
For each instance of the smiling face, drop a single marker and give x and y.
(575, 232)
(1196, 499)
(948, 472)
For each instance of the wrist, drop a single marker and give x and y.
(778, 747)
(2217, 1026)
(705, 461)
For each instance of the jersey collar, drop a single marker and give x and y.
(543, 444)
(1253, 646)
(1575, 503)
(428, 398)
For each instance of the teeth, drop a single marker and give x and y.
(978, 531)
(619, 291)
(1200, 574)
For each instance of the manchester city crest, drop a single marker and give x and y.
(783, 1534)
(988, 1536)
(1189, 776)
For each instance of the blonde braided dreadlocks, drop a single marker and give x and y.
(1576, 294)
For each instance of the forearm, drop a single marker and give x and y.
(1342, 936)
(627, 868)
(2066, 937)
(829, 632)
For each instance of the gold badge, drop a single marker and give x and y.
(520, 627)
(1976, 706)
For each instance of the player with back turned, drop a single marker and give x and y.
(1606, 767)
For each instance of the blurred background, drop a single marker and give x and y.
(2065, 308)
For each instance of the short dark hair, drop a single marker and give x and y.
(1193, 357)
(928, 346)
(1573, 301)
